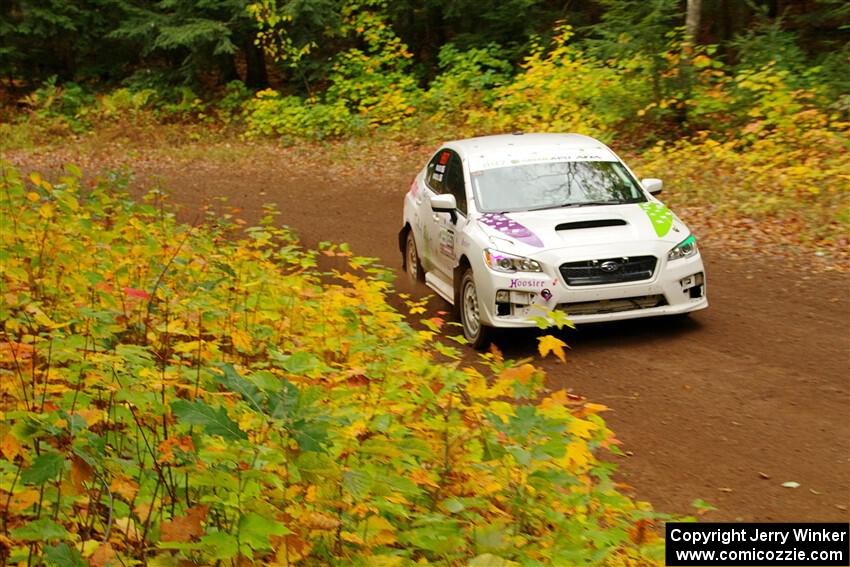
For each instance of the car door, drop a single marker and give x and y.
(445, 228)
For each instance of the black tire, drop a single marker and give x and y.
(475, 332)
(412, 265)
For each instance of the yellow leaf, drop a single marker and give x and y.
(595, 408)
(581, 428)
(32, 196)
(91, 416)
(426, 335)
(351, 538)
(551, 344)
(129, 527)
(46, 211)
(310, 496)
(241, 339)
(577, 455)
(558, 398)
(502, 409)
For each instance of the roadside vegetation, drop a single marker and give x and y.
(205, 393)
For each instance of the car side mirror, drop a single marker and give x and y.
(652, 185)
(444, 204)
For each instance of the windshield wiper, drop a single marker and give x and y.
(582, 204)
(593, 203)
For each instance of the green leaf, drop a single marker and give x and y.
(310, 435)
(356, 483)
(488, 560)
(73, 170)
(300, 363)
(453, 505)
(222, 545)
(45, 467)
(314, 465)
(234, 382)
(62, 555)
(40, 530)
(214, 421)
(255, 530)
(225, 268)
(492, 537)
(702, 505)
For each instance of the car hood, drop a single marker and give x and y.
(632, 225)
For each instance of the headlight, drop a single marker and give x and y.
(502, 262)
(684, 249)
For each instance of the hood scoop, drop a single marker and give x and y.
(591, 224)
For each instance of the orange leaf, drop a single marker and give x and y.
(10, 447)
(124, 487)
(81, 472)
(497, 354)
(319, 521)
(104, 556)
(521, 374)
(10, 351)
(184, 528)
(23, 500)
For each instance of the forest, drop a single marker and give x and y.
(761, 87)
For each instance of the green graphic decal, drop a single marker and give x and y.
(660, 216)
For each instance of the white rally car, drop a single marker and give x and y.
(511, 227)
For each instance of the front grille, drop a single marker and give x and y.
(613, 305)
(593, 272)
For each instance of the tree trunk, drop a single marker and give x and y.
(256, 76)
(692, 20)
(227, 69)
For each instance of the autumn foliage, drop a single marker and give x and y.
(205, 394)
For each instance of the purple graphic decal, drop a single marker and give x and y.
(511, 228)
(546, 294)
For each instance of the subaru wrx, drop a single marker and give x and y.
(512, 227)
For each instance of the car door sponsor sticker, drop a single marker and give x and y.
(447, 242)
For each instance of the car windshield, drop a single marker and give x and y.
(554, 184)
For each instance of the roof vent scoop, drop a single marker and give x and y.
(591, 224)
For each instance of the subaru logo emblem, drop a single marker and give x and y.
(609, 266)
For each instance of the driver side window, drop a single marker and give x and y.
(453, 182)
(436, 176)
(445, 176)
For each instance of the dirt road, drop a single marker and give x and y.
(726, 406)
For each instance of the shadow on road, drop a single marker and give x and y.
(523, 342)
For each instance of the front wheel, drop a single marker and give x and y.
(412, 265)
(474, 330)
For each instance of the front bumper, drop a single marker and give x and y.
(676, 287)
